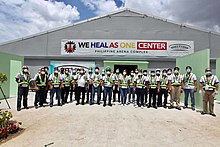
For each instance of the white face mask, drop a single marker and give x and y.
(25, 70)
(164, 74)
(176, 71)
(117, 71)
(157, 72)
(169, 72)
(108, 72)
(55, 71)
(81, 71)
(90, 70)
(96, 70)
(136, 72)
(103, 73)
(145, 73)
(152, 74)
(66, 72)
(43, 72)
(188, 70)
(124, 73)
(132, 74)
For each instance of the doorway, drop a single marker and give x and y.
(129, 68)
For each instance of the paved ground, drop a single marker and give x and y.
(71, 126)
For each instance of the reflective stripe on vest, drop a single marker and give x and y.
(178, 82)
(189, 80)
(40, 84)
(209, 83)
(68, 81)
(163, 82)
(23, 81)
(153, 83)
(55, 80)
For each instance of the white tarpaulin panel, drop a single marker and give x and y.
(126, 47)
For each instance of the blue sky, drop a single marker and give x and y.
(20, 18)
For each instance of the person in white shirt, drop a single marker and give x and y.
(66, 80)
(116, 88)
(123, 83)
(153, 86)
(90, 87)
(131, 88)
(145, 76)
(163, 92)
(209, 88)
(190, 87)
(81, 83)
(97, 85)
(72, 85)
(176, 88)
(23, 80)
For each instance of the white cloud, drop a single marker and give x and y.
(100, 7)
(25, 17)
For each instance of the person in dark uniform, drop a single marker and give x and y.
(23, 79)
(48, 75)
(73, 86)
(145, 76)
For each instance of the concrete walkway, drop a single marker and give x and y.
(117, 126)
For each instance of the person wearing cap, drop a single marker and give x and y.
(139, 85)
(23, 80)
(145, 76)
(102, 89)
(163, 89)
(81, 86)
(36, 98)
(190, 87)
(66, 80)
(72, 85)
(209, 88)
(123, 85)
(89, 78)
(131, 88)
(116, 88)
(96, 85)
(153, 86)
(176, 88)
(41, 85)
(55, 83)
(107, 85)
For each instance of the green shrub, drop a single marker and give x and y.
(3, 78)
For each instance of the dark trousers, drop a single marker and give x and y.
(72, 89)
(22, 92)
(36, 100)
(163, 92)
(145, 95)
(45, 96)
(140, 96)
(41, 95)
(114, 94)
(107, 92)
(79, 91)
(65, 93)
(89, 91)
(153, 93)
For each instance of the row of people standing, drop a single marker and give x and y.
(157, 84)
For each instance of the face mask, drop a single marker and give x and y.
(169, 72)
(152, 74)
(67, 72)
(188, 70)
(145, 73)
(81, 71)
(158, 73)
(132, 74)
(56, 72)
(176, 71)
(164, 74)
(208, 74)
(90, 71)
(43, 72)
(124, 73)
(108, 72)
(136, 72)
(25, 70)
(117, 72)
(46, 69)
(103, 73)
(96, 70)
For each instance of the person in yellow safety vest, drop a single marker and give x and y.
(23, 79)
(209, 88)
(116, 88)
(102, 89)
(48, 75)
(176, 88)
(89, 78)
(136, 71)
(55, 86)
(73, 86)
(123, 83)
(66, 80)
(107, 84)
(145, 75)
(97, 85)
(41, 85)
(131, 88)
(139, 84)
(163, 92)
(190, 87)
(36, 99)
(153, 86)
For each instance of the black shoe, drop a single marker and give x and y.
(36, 107)
(104, 105)
(203, 113)
(18, 109)
(51, 105)
(184, 107)
(170, 107)
(110, 105)
(155, 107)
(82, 104)
(178, 108)
(213, 114)
(26, 108)
(193, 109)
(165, 106)
(77, 103)
(148, 106)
